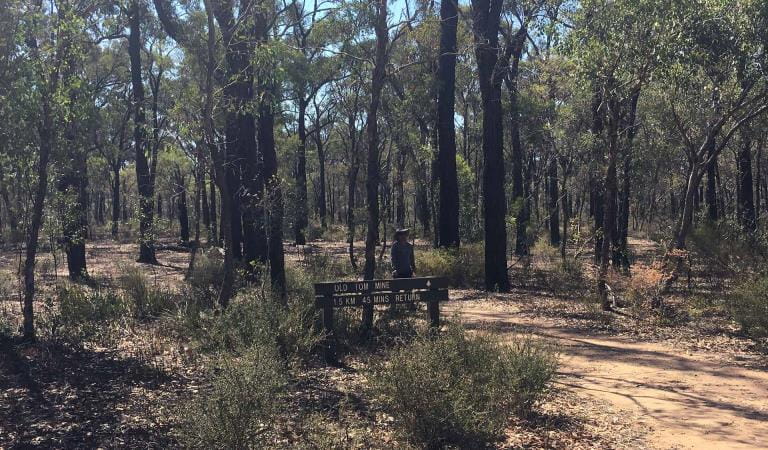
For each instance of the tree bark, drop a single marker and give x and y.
(115, 199)
(746, 194)
(486, 24)
(301, 219)
(624, 201)
(272, 181)
(143, 176)
(609, 221)
(554, 196)
(446, 132)
(373, 180)
(519, 198)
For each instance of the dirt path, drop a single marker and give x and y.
(685, 400)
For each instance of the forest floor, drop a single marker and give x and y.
(626, 380)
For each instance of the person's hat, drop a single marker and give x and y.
(401, 231)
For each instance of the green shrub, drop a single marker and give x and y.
(82, 313)
(241, 407)
(464, 267)
(256, 318)
(204, 281)
(748, 304)
(461, 389)
(148, 300)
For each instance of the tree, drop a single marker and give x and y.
(486, 19)
(446, 132)
(144, 178)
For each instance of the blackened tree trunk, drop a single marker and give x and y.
(268, 153)
(181, 204)
(401, 159)
(373, 180)
(205, 209)
(274, 195)
(322, 195)
(301, 219)
(115, 199)
(624, 202)
(758, 181)
(73, 186)
(446, 80)
(213, 207)
(143, 176)
(354, 169)
(554, 196)
(710, 194)
(746, 194)
(520, 199)
(609, 221)
(596, 179)
(486, 25)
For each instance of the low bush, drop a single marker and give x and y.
(256, 318)
(148, 300)
(644, 286)
(204, 281)
(83, 313)
(460, 389)
(241, 407)
(464, 267)
(748, 305)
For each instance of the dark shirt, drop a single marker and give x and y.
(403, 261)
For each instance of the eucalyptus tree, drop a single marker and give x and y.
(721, 77)
(54, 39)
(446, 131)
(617, 50)
(309, 68)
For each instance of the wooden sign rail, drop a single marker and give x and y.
(343, 294)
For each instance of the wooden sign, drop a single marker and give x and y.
(399, 284)
(381, 298)
(369, 293)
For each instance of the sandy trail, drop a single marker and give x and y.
(686, 400)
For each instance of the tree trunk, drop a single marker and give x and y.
(746, 196)
(446, 80)
(115, 200)
(273, 194)
(321, 198)
(710, 195)
(73, 185)
(181, 204)
(624, 202)
(486, 19)
(519, 198)
(301, 219)
(354, 168)
(372, 182)
(596, 197)
(554, 196)
(45, 131)
(213, 209)
(609, 221)
(143, 176)
(205, 209)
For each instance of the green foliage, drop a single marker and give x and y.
(149, 300)
(83, 313)
(242, 405)
(460, 389)
(464, 267)
(256, 318)
(724, 247)
(204, 282)
(748, 304)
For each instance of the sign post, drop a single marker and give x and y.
(344, 294)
